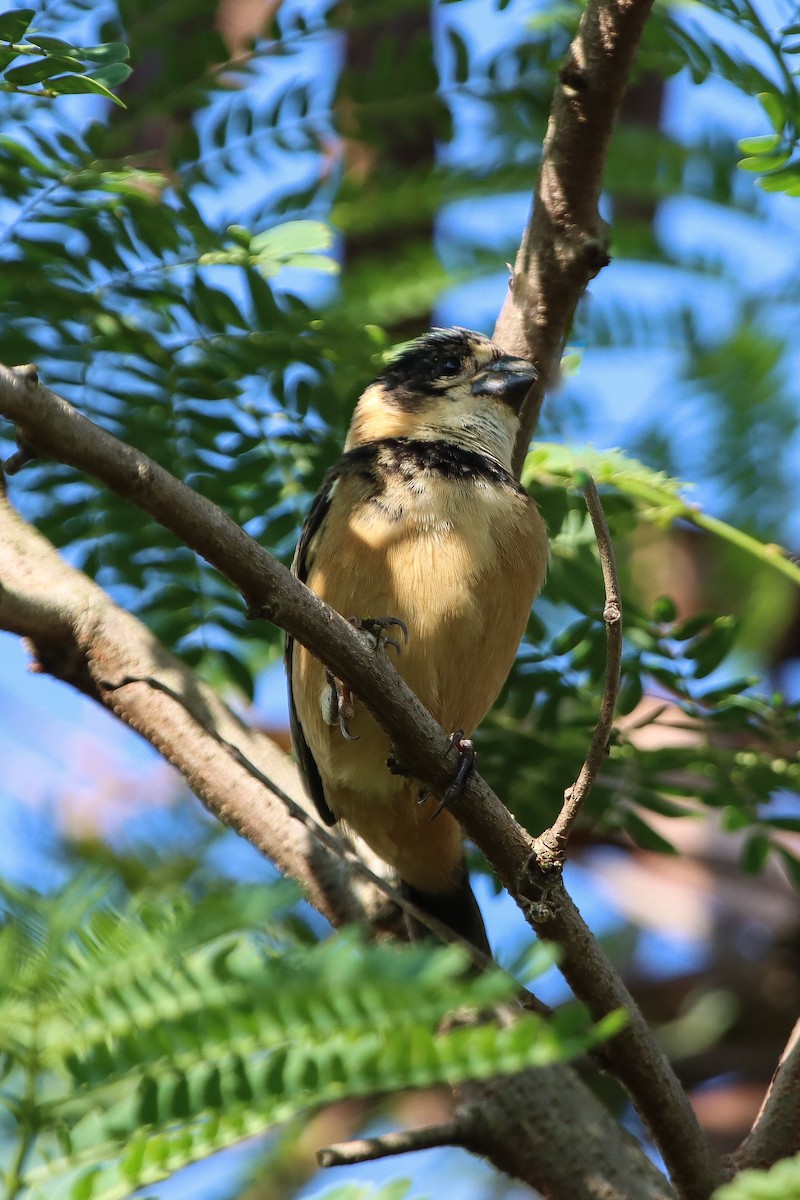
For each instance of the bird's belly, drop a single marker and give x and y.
(461, 573)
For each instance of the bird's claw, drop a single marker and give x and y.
(466, 766)
(376, 627)
(340, 707)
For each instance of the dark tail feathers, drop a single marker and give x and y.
(457, 910)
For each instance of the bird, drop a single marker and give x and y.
(422, 537)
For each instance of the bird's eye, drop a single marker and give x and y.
(450, 366)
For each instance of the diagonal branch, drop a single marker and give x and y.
(54, 428)
(776, 1129)
(80, 636)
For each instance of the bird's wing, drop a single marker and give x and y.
(300, 567)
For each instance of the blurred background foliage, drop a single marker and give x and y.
(215, 270)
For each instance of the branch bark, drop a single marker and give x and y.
(566, 242)
(776, 1129)
(54, 428)
(552, 844)
(80, 636)
(564, 246)
(602, 1162)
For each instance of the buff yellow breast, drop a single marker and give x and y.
(460, 562)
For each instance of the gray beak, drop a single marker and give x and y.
(506, 379)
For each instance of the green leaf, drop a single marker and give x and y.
(763, 144)
(773, 105)
(294, 244)
(645, 836)
(40, 69)
(112, 75)
(709, 648)
(107, 52)
(75, 85)
(664, 609)
(755, 853)
(460, 56)
(14, 23)
(571, 637)
(55, 46)
(291, 238)
(630, 693)
(692, 626)
(787, 182)
(781, 1182)
(790, 824)
(766, 162)
(395, 1189)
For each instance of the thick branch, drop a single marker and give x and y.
(578, 1149)
(776, 1130)
(566, 242)
(54, 428)
(573, 1127)
(80, 636)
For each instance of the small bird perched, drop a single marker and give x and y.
(419, 530)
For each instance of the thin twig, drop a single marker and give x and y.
(551, 845)
(449, 1133)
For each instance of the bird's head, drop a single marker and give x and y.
(450, 385)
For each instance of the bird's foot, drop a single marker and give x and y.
(376, 627)
(466, 766)
(341, 702)
(340, 707)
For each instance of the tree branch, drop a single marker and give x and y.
(776, 1129)
(573, 1127)
(405, 1141)
(54, 428)
(603, 1162)
(566, 243)
(80, 636)
(551, 845)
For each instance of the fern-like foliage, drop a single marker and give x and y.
(139, 1037)
(781, 1182)
(740, 754)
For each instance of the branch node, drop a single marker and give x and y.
(29, 374)
(572, 78)
(595, 255)
(540, 875)
(260, 610)
(23, 455)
